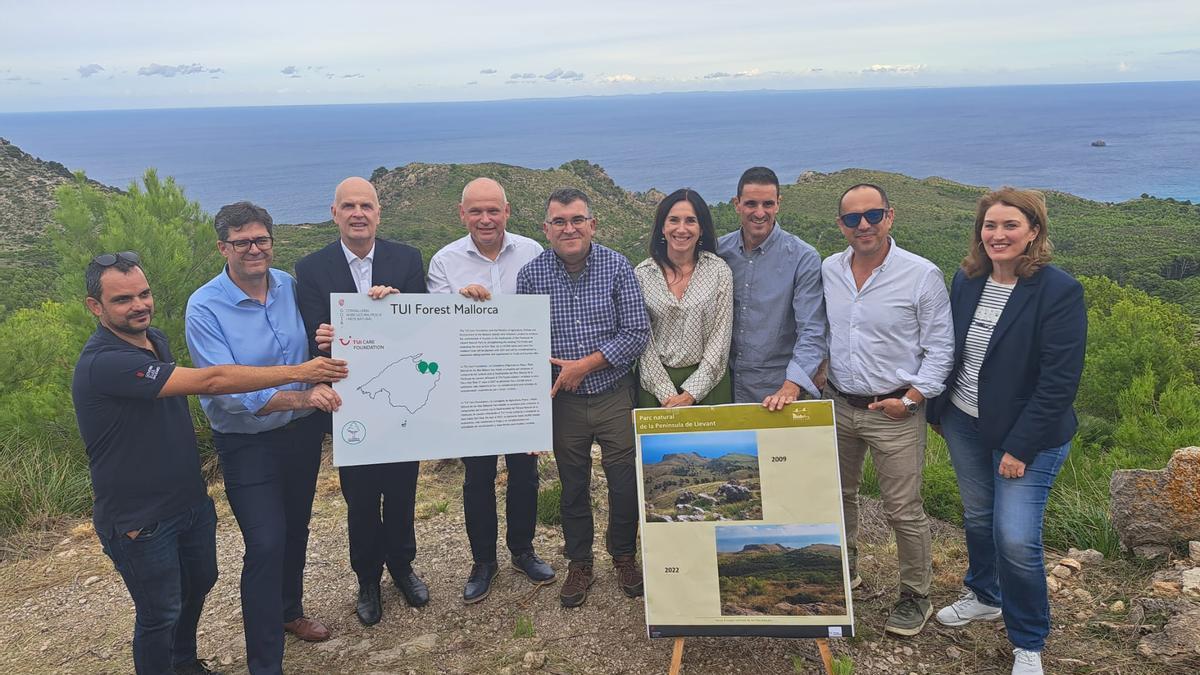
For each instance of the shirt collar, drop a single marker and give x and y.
(766, 243)
(236, 295)
(350, 257)
(506, 244)
(886, 259)
(587, 262)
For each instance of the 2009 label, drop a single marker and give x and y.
(778, 458)
(671, 570)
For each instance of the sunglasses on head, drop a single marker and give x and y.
(873, 216)
(110, 259)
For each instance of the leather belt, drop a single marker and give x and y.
(862, 402)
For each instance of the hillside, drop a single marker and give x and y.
(686, 486)
(27, 204)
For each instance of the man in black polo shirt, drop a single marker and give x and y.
(152, 512)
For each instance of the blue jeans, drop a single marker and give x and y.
(168, 568)
(1003, 522)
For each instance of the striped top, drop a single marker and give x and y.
(965, 395)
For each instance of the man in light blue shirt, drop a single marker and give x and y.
(268, 443)
(778, 310)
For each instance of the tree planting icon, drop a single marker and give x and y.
(430, 367)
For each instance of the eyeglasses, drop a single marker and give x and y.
(243, 245)
(560, 223)
(851, 220)
(110, 259)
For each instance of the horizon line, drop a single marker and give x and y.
(606, 96)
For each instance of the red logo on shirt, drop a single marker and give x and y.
(140, 374)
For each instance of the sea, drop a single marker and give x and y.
(288, 159)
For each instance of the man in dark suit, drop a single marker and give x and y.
(356, 262)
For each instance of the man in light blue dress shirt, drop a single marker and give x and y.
(891, 346)
(778, 310)
(267, 442)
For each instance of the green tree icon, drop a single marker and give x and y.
(423, 367)
(433, 367)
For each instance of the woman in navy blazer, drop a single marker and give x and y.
(1020, 330)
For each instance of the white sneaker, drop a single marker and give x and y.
(967, 609)
(1026, 662)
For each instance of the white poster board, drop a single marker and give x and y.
(438, 376)
(742, 530)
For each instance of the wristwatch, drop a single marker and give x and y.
(910, 405)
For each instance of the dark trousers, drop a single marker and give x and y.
(479, 504)
(380, 507)
(607, 420)
(168, 568)
(270, 478)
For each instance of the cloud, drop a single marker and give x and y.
(717, 75)
(560, 74)
(353, 76)
(898, 69)
(1123, 67)
(720, 74)
(289, 70)
(172, 71)
(488, 71)
(89, 70)
(522, 76)
(1182, 52)
(472, 82)
(620, 77)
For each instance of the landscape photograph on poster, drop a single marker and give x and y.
(701, 476)
(780, 570)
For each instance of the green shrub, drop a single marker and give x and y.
(549, 503)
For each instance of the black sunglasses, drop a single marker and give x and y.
(110, 259)
(851, 220)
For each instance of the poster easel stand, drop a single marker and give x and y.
(677, 656)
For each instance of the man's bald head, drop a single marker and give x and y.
(356, 211)
(484, 210)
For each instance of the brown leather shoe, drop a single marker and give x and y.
(309, 630)
(629, 575)
(579, 579)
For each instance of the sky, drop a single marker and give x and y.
(706, 444)
(77, 55)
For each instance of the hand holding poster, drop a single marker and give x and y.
(434, 376)
(742, 530)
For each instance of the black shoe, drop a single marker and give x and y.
(479, 583)
(539, 572)
(194, 667)
(415, 592)
(369, 608)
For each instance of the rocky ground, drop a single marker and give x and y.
(67, 610)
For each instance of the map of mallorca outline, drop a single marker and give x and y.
(405, 386)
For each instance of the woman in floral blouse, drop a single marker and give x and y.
(689, 294)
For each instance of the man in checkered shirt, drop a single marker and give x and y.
(598, 328)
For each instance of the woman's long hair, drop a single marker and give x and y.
(1037, 254)
(708, 236)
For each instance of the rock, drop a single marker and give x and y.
(1194, 551)
(1166, 589)
(91, 580)
(1072, 563)
(1061, 571)
(953, 653)
(1088, 556)
(534, 659)
(685, 497)
(1172, 576)
(1053, 584)
(1117, 607)
(732, 492)
(225, 660)
(1151, 551)
(1177, 643)
(1157, 507)
(1191, 583)
(1082, 595)
(908, 651)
